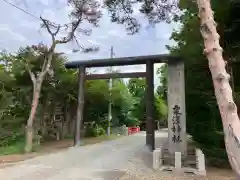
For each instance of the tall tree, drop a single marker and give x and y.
(136, 87)
(123, 12)
(223, 91)
(162, 88)
(82, 11)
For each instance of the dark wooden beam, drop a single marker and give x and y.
(79, 119)
(122, 61)
(115, 75)
(150, 128)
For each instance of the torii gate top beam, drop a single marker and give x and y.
(122, 61)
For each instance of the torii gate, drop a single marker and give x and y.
(177, 138)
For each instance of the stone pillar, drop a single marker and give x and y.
(200, 158)
(177, 138)
(157, 158)
(178, 161)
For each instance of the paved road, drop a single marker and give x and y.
(107, 160)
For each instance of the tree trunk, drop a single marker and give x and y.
(158, 125)
(223, 91)
(29, 127)
(45, 118)
(67, 122)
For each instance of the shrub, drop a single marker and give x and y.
(132, 121)
(94, 130)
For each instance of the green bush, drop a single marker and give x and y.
(132, 121)
(212, 145)
(12, 149)
(216, 157)
(16, 148)
(105, 123)
(7, 138)
(94, 130)
(100, 131)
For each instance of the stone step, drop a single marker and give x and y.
(183, 160)
(188, 153)
(189, 157)
(168, 162)
(192, 164)
(187, 165)
(189, 161)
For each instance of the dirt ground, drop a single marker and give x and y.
(223, 174)
(212, 174)
(49, 147)
(45, 148)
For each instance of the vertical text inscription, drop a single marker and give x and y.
(176, 127)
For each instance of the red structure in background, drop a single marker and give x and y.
(133, 130)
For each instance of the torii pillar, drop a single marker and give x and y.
(150, 128)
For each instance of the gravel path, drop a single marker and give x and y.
(126, 158)
(105, 160)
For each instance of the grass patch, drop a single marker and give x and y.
(17, 148)
(12, 149)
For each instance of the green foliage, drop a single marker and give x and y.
(161, 109)
(94, 130)
(162, 89)
(132, 121)
(123, 12)
(16, 147)
(137, 87)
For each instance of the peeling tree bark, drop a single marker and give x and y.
(223, 91)
(37, 86)
(29, 127)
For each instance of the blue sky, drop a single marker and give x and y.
(19, 29)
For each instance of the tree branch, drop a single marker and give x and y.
(31, 74)
(47, 24)
(83, 10)
(71, 34)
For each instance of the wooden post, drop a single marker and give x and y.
(150, 128)
(80, 107)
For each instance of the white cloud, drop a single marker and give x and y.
(45, 2)
(93, 42)
(28, 24)
(50, 15)
(11, 34)
(102, 37)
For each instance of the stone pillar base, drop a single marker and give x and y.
(157, 158)
(200, 159)
(179, 164)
